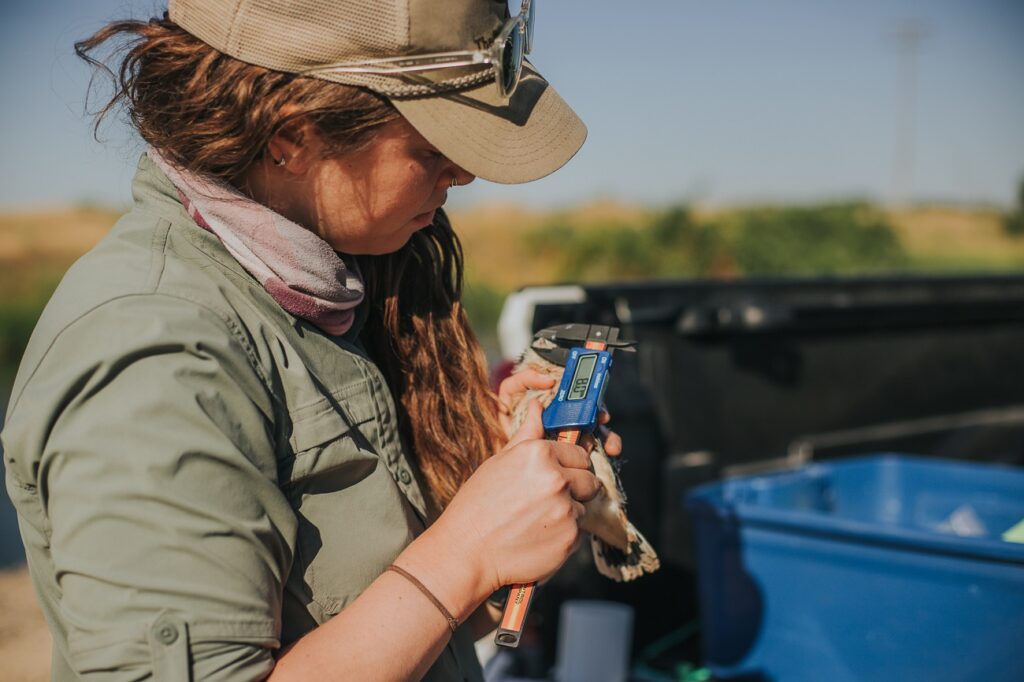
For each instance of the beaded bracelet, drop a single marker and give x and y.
(452, 623)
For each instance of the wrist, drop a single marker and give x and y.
(449, 568)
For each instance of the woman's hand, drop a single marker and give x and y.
(515, 386)
(612, 441)
(517, 514)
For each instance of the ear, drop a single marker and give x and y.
(296, 143)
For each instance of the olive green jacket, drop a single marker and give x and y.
(200, 477)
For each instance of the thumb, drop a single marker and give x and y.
(532, 427)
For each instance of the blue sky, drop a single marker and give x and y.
(716, 101)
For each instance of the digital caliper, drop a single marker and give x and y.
(573, 412)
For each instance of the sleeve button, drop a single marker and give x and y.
(167, 634)
(405, 476)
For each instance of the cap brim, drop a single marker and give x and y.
(523, 138)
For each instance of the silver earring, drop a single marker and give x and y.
(281, 161)
(454, 182)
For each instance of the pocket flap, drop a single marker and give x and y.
(331, 417)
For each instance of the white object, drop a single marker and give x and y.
(964, 522)
(515, 326)
(594, 641)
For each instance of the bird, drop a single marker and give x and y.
(620, 551)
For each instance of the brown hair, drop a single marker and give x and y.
(213, 115)
(421, 338)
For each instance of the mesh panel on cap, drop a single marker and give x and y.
(297, 35)
(294, 36)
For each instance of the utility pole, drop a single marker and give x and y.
(909, 35)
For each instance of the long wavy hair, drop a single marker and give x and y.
(214, 115)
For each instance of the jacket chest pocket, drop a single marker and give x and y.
(354, 518)
(338, 431)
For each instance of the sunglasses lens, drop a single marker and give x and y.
(511, 62)
(531, 14)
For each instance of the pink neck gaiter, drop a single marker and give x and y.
(299, 269)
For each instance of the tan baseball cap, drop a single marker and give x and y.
(458, 110)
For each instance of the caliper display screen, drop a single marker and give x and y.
(581, 378)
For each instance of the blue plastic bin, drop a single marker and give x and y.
(886, 567)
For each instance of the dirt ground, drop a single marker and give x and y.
(24, 639)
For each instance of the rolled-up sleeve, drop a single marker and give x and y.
(170, 537)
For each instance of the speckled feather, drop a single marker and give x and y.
(620, 551)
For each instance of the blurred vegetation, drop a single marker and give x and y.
(1015, 219)
(816, 240)
(669, 243)
(822, 240)
(483, 306)
(25, 292)
(35, 250)
(509, 247)
(16, 323)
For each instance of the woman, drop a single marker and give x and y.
(259, 393)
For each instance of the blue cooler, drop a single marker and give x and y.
(877, 568)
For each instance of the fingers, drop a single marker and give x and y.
(578, 509)
(612, 441)
(583, 485)
(532, 427)
(514, 386)
(521, 382)
(570, 456)
(587, 442)
(512, 390)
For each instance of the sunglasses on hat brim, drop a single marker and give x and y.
(505, 55)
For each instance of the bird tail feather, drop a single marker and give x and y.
(622, 566)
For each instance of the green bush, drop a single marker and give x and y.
(483, 306)
(602, 250)
(16, 325)
(1014, 224)
(25, 293)
(683, 246)
(670, 244)
(828, 239)
(1014, 221)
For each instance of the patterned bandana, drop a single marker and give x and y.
(299, 269)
